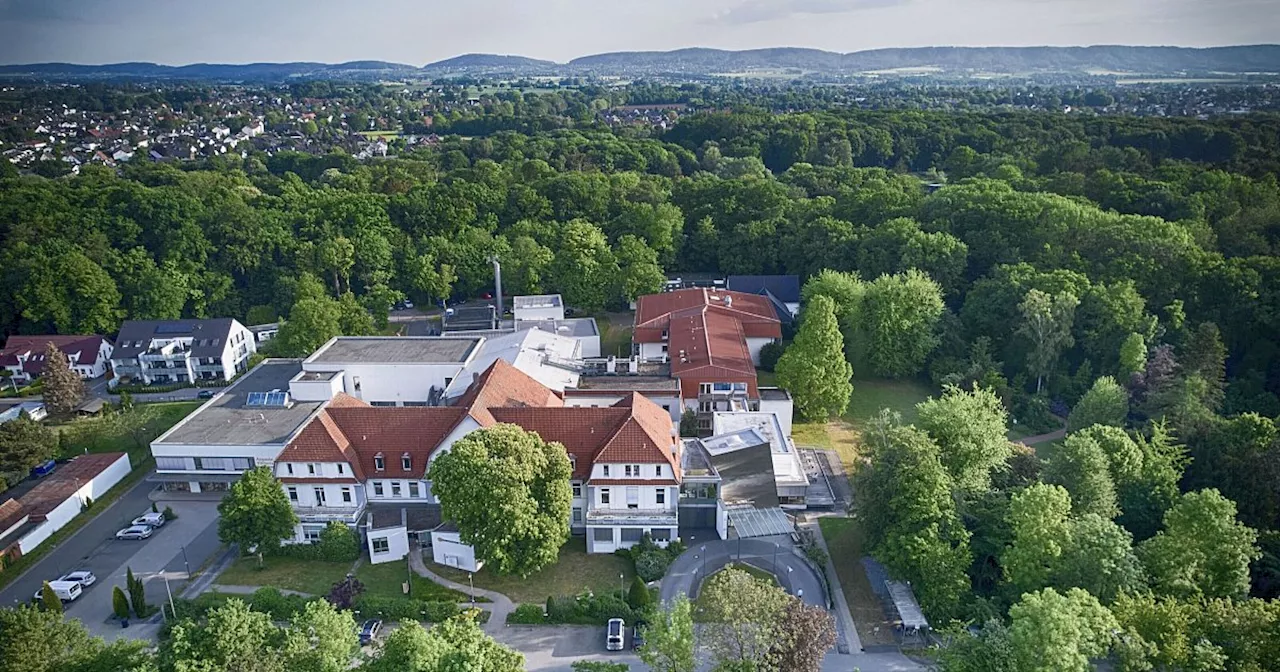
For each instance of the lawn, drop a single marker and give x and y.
(844, 540)
(575, 572)
(314, 577)
(869, 397)
(116, 433)
(386, 580)
(766, 378)
(615, 334)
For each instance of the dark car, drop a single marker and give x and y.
(637, 634)
(369, 631)
(205, 394)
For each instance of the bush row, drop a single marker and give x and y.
(338, 543)
(650, 559)
(281, 607)
(588, 609)
(405, 609)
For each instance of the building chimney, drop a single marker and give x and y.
(497, 283)
(728, 301)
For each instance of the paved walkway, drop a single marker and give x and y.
(498, 606)
(703, 559)
(1043, 438)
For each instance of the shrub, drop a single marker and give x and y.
(651, 565)
(154, 508)
(587, 609)
(338, 543)
(119, 603)
(1033, 411)
(169, 515)
(405, 609)
(638, 598)
(526, 614)
(769, 355)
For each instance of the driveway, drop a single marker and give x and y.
(192, 538)
(771, 554)
(554, 648)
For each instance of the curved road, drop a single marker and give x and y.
(794, 574)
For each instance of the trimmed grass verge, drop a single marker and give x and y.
(385, 580)
(314, 577)
(844, 538)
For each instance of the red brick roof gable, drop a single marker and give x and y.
(754, 312)
(86, 346)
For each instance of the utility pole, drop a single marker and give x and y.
(173, 611)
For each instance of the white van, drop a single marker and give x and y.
(66, 591)
(613, 635)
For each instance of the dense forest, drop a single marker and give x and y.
(1075, 263)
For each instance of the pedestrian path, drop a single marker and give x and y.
(848, 629)
(499, 606)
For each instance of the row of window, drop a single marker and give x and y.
(204, 463)
(633, 496)
(406, 462)
(415, 489)
(630, 535)
(314, 468)
(320, 500)
(632, 470)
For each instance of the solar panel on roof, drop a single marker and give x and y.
(257, 399)
(277, 398)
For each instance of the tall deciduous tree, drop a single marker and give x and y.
(805, 634)
(668, 644)
(63, 388)
(39, 640)
(1038, 517)
(1202, 551)
(813, 368)
(1133, 356)
(1099, 558)
(1080, 466)
(584, 266)
(310, 324)
(1106, 403)
(741, 616)
(900, 316)
(233, 637)
(320, 638)
(1046, 324)
(638, 269)
(970, 430)
(24, 443)
(1059, 632)
(508, 492)
(256, 513)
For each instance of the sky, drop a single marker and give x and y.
(422, 31)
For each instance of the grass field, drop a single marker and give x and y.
(615, 334)
(111, 434)
(869, 397)
(307, 576)
(845, 541)
(573, 573)
(386, 579)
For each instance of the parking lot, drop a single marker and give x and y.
(95, 548)
(554, 648)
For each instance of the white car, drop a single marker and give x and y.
(83, 577)
(614, 634)
(149, 519)
(135, 532)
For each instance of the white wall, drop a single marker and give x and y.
(314, 390)
(313, 470)
(606, 399)
(655, 351)
(332, 495)
(618, 470)
(783, 409)
(258, 454)
(389, 489)
(397, 542)
(395, 383)
(648, 497)
(543, 313)
(755, 345)
(447, 549)
(64, 512)
(588, 346)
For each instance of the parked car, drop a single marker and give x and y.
(135, 532)
(369, 631)
(43, 469)
(637, 634)
(83, 577)
(66, 591)
(613, 638)
(204, 394)
(152, 519)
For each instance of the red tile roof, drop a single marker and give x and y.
(654, 311)
(506, 386)
(86, 346)
(11, 512)
(322, 441)
(392, 433)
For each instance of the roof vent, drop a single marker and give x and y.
(728, 301)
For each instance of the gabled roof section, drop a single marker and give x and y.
(785, 287)
(646, 436)
(208, 337)
(754, 312)
(583, 431)
(323, 441)
(503, 385)
(392, 433)
(34, 346)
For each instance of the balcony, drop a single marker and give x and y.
(632, 517)
(348, 513)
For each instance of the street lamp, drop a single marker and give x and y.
(472, 584)
(622, 585)
(184, 561)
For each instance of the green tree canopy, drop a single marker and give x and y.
(669, 643)
(813, 367)
(1106, 403)
(1059, 632)
(256, 513)
(508, 492)
(1079, 465)
(1202, 550)
(970, 429)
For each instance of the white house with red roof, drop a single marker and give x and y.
(23, 356)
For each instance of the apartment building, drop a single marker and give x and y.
(182, 351)
(23, 356)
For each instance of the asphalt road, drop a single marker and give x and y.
(95, 548)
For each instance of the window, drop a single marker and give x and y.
(604, 495)
(413, 489)
(661, 496)
(626, 471)
(660, 534)
(635, 469)
(377, 488)
(704, 388)
(379, 463)
(666, 407)
(406, 462)
(602, 534)
(355, 381)
(311, 468)
(705, 406)
(633, 497)
(319, 495)
(174, 463)
(606, 471)
(380, 545)
(346, 494)
(312, 533)
(293, 493)
(632, 535)
(199, 462)
(342, 468)
(577, 489)
(288, 466)
(395, 488)
(241, 463)
(577, 515)
(657, 470)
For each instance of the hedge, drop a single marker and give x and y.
(338, 543)
(587, 609)
(405, 609)
(526, 614)
(160, 389)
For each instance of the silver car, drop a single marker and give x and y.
(135, 532)
(83, 577)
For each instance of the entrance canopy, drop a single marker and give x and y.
(751, 522)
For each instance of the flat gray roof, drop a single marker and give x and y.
(395, 350)
(572, 326)
(774, 394)
(225, 420)
(537, 301)
(625, 383)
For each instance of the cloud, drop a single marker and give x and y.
(757, 11)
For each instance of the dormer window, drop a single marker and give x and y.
(378, 462)
(657, 471)
(606, 471)
(406, 462)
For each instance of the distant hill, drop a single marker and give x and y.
(701, 61)
(489, 61)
